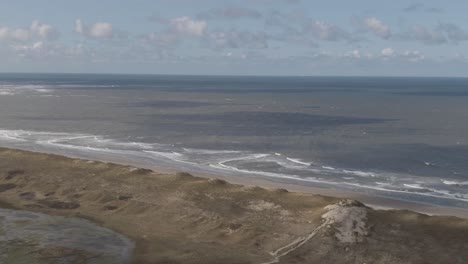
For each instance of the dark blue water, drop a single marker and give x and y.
(404, 138)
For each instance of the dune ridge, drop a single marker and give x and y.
(179, 218)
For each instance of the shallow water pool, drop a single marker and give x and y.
(28, 237)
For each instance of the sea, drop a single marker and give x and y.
(400, 138)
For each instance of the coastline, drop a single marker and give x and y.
(371, 200)
(180, 218)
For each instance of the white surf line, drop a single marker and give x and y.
(299, 242)
(294, 177)
(9, 137)
(299, 161)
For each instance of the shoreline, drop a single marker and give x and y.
(181, 218)
(373, 201)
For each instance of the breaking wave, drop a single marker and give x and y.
(275, 166)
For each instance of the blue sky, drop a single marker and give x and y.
(243, 37)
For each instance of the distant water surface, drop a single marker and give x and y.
(404, 138)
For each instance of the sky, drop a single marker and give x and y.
(236, 37)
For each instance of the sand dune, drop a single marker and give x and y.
(178, 218)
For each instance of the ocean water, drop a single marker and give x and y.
(403, 138)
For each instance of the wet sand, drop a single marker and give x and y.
(179, 218)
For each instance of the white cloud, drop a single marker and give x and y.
(173, 31)
(37, 30)
(235, 39)
(79, 27)
(33, 47)
(96, 30)
(36, 50)
(101, 30)
(413, 56)
(387, 52)
(378, 27)
(19, 34)
(425, 35)
(188, 26)
(44, 31)
(325, 31)
(355, 54)
(386, 55)
(452, 32)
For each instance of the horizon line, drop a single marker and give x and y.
(239, 75)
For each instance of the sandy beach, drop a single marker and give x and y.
(179, 218)
(371, 200)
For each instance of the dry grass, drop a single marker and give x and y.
(183, 219)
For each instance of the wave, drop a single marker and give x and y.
(8, 136)
(414, 186)
(170, 155)
(9, 89)
(207, 151)
(86, 85)
(298, 161)
(435, 193)
(223, 166)
(56, 143)
(234, 161)
(174, 156)
(455, 183)
(360, 173)
(389, 187)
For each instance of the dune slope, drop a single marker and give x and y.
(184, 219)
